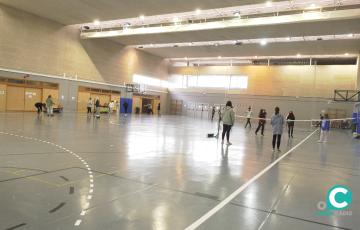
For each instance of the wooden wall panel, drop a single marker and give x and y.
(54, 94)
(303, 81)
(15, 98)
(32, 96)
(83, 98)
(2, 98)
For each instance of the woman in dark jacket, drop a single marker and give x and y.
(290, 118)
(262, 121)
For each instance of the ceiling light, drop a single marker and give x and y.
(269, 3)
(346, 54)
(96, 22)
(219, 57)
(256, 57)
(186, 58)
(216, 44)
(198, 11)
(176, 19)
(298, 55)
(142, 17)
(350, 35)
(152, 45)
(263, 42)
(288, 39)
(190, 44)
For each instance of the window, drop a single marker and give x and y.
(239, 82)
(210, 81)
(150, 81)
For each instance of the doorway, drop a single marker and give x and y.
(147, 105)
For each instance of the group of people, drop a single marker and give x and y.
(48, 105)
(277, 122)
(93, 105)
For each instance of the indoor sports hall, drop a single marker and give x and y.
(179, 115)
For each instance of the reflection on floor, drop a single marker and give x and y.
(164, 173)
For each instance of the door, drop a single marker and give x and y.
(32, 96)
(83, 98)
(2, 98)
(137, 102)
(15, 98)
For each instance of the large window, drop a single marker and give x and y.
(210, 81)
(140, 79)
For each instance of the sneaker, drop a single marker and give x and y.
(229, 143)
(279, 150)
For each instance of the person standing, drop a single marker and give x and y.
(150, 109)
(325, 129)
(228, 118)
(158, 109)
(49, 105)
(262, 121)
(125, 105)
(97, 108)
(89, 105)
(213, 113)
(248, 117)
(277, 122)
(290, 118)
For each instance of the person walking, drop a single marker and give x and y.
(228, 118)
(262, 122)
(277, 122)
(97, 108)
(89, 105)
(49, 105)
(290, 118)
(248, 117)
(325, 129)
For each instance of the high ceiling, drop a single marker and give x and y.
(70, 12)
(84, 11)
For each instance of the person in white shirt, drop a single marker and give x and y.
(248, 117)
(90, 104)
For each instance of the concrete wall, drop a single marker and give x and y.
(32, 43)
(303, 81)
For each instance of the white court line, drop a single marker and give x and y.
(218, 207)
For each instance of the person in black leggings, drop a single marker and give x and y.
(291, 123)
(262, 121)
(228, 118)
(277, 122)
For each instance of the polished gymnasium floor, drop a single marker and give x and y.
(73, 172)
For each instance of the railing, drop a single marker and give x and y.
(347, 95)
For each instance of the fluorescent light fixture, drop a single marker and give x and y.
(269, 3)
(346, 54)
(350, 35)
(288, 39)
(142, 17)
(298, 55)
(198, 11)
(263, 42)
(219, 57)
(96, 22)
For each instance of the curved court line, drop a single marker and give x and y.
(227, 200)
(91, 178)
